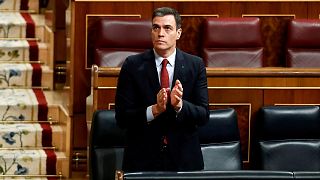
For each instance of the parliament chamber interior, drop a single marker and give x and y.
(60, 62)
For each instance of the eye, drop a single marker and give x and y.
(155, 27)
(168, 28)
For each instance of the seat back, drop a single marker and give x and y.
(289, 138)
(232, 42)
(220, 141)
(306, 175)
(212, 175)
(117, 38)
(219, 138)
(107, 142)
(303, 43)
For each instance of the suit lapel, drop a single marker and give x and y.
(152, 71)
(179, 68)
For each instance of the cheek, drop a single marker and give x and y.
(173, 38)
(153, 35)
(153, 39)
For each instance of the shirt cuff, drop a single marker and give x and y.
(149, 114)
(177, 111)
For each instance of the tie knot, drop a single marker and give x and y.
(164, 62)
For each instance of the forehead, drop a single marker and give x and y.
(164, 20)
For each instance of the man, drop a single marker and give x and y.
(162, 121)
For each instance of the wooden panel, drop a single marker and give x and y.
(300, 9)
(203, 8)
(243, 111)
(60, 44)
(263, 77)
(263, 82)
(292, 96)
(240, 99)
(105, 98)
(314, 10)
(79, 128)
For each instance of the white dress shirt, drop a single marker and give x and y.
(170, 69)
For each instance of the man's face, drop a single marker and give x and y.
(164, 34)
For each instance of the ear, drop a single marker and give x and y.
(179, 32)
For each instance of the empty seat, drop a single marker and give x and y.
(219, 138)
(288, 138)
(107, 143)
(232, 42)
(220, 141)
(303, 43)
(120, 37)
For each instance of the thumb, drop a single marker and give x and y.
(177, 82)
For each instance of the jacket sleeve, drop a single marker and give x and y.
(195, 110)
(128, 112)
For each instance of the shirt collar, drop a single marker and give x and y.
(159, 59)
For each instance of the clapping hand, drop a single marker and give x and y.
(176, 95)
(162, 99)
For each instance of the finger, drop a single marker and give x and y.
(179, 85)
(179, 91)
(167, 90)
(163, 97)
(178, 98)
(162, 92)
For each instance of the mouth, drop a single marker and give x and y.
(160, 42)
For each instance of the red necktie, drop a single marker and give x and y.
(164, 74)
(165, 84)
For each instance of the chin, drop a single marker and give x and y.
(161, 47)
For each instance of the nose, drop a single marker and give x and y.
(161, 32)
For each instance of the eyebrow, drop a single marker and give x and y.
(166, 25)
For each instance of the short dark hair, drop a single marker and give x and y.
(167, 11)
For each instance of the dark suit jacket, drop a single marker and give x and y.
(138, 85)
